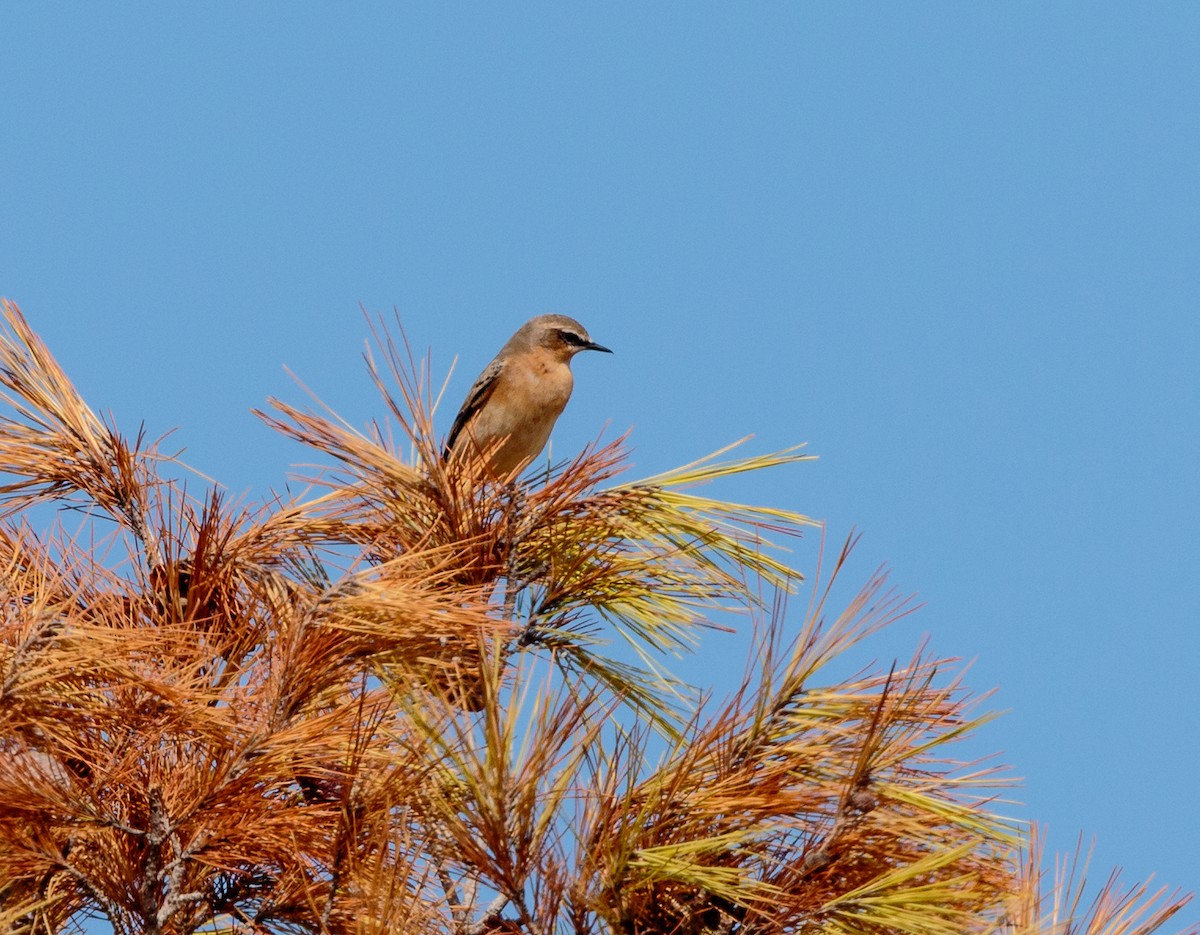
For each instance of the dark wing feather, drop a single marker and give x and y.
(475, 401)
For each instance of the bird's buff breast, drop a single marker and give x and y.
(523, 409)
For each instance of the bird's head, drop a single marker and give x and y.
(562, 336)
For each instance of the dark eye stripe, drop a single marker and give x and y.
(571, 337)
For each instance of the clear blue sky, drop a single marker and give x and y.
(954, 247)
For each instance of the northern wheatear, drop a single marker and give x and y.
(515, 402)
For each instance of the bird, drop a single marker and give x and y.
(513, 405)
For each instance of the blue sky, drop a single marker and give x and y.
(953, 247)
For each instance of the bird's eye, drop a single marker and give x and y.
(570, 337)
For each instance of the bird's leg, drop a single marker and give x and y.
(514, 509)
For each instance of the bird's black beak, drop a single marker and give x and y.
(593, 346)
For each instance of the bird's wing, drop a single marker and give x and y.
(474, 402)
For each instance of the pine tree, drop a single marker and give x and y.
(415, 700)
